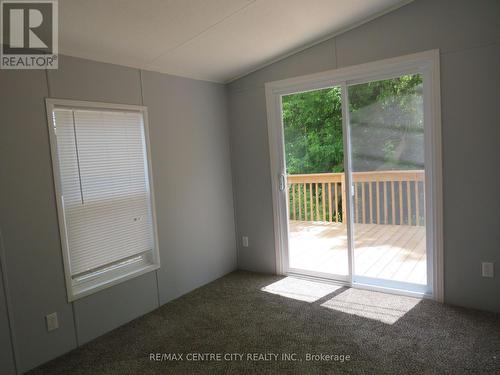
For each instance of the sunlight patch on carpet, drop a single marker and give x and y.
(386, 308)
(300, 289)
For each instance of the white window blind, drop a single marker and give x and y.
(104, 183)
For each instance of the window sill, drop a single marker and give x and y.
(107, 279)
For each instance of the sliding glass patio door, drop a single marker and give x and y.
(387, 169)
(386, 166)
(355, 159)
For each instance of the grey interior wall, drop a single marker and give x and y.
(7, 364)
(28, 221)
(192, 172)
(471, 134)
(468, 37)
(6, 354)
(192, 189)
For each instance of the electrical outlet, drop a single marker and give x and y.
(244, 241)
(52, 322)
(487, 269)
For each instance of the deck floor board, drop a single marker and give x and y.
(394, 252)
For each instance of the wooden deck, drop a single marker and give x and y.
(392, 252)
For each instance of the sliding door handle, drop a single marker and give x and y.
(282, 182)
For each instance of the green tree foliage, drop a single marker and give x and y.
(386, 119)
(313, 131)
(386, 116)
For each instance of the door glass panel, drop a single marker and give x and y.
(314, 159)
(386, 125)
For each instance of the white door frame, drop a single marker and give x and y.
(425, 63)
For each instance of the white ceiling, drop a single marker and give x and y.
(213, 40)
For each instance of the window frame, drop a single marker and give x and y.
(114, 274)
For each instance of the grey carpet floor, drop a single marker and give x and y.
(382, 334)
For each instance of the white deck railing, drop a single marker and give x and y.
(380, 197)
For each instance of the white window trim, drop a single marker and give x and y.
(426, 63)
(79, 289)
